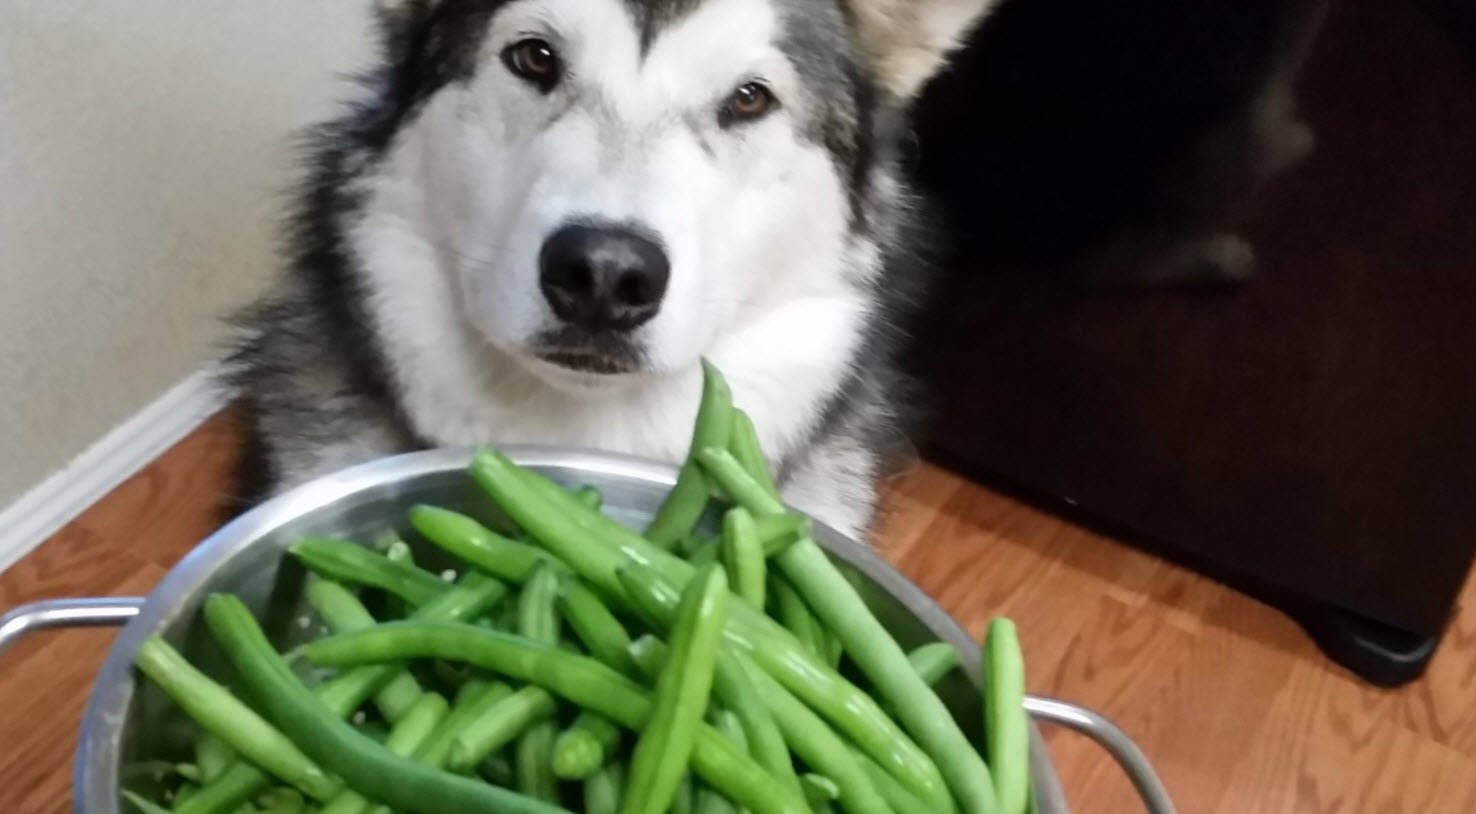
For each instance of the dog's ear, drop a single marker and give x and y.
(909, 40)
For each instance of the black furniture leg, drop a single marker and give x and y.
(1378, 653)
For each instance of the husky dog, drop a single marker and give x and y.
(541, 215)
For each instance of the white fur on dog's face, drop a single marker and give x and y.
(749, 215)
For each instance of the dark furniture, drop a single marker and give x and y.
(1309, 436)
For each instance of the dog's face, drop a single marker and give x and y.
(607, 185)
(623, 181)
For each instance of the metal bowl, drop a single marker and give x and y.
(128, 725)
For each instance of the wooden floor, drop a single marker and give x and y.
(1231, 702)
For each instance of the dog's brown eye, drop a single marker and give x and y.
(533, 60)
(750, 101)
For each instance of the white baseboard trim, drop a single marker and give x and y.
(39, 513)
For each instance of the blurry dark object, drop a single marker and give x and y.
(1309, 435)
(1118, 142)
(1460, 15)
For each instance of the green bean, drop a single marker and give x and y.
(584, 747)
(933, 661)
(472, 699)
(688, 545)
(665, 744)
(538, 620)
(507, 618)
(686, 501)
(583, 681)
(821, 748)
(143, 804)
(819, 789)
(684, 798)
(745, 446)
(743, 556)
(834, 650)
(596, 546)
(472, 702)
(498, 726)
(187, 771)
(775, 532)
(212, 756)
(1006, 727)
(709, 800)
(472, 691)
(366, 766)
(603, 790)
(740, 486)
(474, 596)
(399, 552)
(778, 532)
(590, 496)
(183, 794)
(900, 799)
(395, 698)
(473, 543)
(357, 565)
(418, 724)
(871, 647)
(219, 712)
(762, 732)
(649, 654)
(797, 617)
(791, 611)
(811, 738)
(283, 801)
(409, 734)
(731, 726)
(709, 554)
(732, 683)
(882, 661)
(565, 528)
(594, 624)
(342, 612)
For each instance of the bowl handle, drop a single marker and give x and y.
(54, 613)
(1111, 738)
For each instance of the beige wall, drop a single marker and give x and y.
(144, 147)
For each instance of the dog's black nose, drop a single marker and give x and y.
(603, 277)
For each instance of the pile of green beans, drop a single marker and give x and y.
(716, 662)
